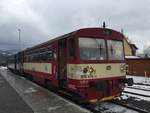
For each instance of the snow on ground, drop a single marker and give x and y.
(137, 97)
(137, 91)
(140, 87)
(3, 67)
(38, 98)
(113, 108)
(139, 80)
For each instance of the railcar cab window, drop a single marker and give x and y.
(115, 50)
(92, 49)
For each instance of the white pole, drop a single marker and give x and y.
(145, 73)
(19, 31)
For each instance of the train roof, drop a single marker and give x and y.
(87, 32)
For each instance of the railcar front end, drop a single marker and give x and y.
(100, 70)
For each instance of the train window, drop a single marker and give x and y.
(54, 54)
(92, 49)
(50, 55)
(71, 49)
(115, 50)
(41, 55)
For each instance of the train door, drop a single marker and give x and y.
(62, 63)
(55, 66)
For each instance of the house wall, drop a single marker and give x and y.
(127, 48)
(138, 67)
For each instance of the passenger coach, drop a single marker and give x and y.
(88, 62)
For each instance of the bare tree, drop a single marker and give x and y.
(146, 51)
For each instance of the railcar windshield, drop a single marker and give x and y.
(115, 50)
(95, 49)
(92, 49)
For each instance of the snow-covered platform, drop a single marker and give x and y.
(10, 101)
(39, 99)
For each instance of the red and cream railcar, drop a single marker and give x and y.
(89, 62)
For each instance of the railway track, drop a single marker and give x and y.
(139, 88)
(102, 109)
(94, 108)
(141, 84)
(97, 108)
(117, 103)
(129, 106)
(136, 94)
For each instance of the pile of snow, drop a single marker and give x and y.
(137, 97)
(140, 87)
(137, 91)
(138, 79)
(132, 57)
(3, 67)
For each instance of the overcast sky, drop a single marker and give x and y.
(41, 20)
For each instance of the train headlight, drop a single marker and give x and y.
(85, 70)
(123, 68)
(88, 70)
(127, 68)
(91, 70)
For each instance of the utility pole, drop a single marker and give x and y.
(122, 31)
(19, 55)
(19, 31)
(104, 25)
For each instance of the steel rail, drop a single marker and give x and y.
(138, 88)
(136, 94)
(141, 84)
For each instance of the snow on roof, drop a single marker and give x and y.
(134, 57)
